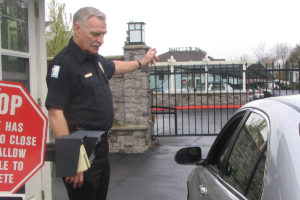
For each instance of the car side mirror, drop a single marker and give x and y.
(188, 155)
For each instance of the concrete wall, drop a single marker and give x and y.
(172, 100)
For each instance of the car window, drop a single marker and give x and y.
(218, 150)
(245, 160)
(217, 86)
(256, 184)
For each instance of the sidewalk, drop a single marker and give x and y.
(153, 175)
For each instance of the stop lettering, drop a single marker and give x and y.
(9, 103)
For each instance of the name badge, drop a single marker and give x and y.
(88, 75)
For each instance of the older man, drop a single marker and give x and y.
(79, 96)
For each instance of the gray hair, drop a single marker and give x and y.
(83, 14)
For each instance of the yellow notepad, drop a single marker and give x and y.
(83, 161)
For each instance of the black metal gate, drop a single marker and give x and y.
(199, 99)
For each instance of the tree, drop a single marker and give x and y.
(260, 51)
(263, 55)
(269, 60)
(59, 28)
(281, 52)
(244, 58)
(295, 55)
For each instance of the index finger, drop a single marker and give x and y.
(80, 180)
(152, 51)
(76, 182)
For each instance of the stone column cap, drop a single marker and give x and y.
(134, 127)
(135, 46)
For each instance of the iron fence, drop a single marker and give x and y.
(198, 99)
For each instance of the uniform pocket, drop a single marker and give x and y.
(92, 87)
(97, 89)
(89, 82)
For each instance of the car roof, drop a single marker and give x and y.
(277, 103)
(284, 143)
(282, 112)
(292, 101)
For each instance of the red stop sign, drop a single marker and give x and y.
(23, 133)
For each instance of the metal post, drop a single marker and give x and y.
(171, 62)
(175, 120)
(244, 76)
(206, 61)
(206, 78)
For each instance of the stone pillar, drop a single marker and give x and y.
(131, 132)
(136, 88)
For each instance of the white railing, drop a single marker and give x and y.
(207, 63)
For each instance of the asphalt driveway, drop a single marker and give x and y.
(154, 174)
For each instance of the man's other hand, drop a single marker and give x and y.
(77, 180)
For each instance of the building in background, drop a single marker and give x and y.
(181, 78)
(185, 54)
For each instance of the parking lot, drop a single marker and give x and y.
(285, 92)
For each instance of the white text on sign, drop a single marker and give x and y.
(7, 178)
(14, 127)
(9, 104)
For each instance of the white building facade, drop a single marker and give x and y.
(23, 59)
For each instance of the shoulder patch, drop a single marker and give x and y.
(55, 71)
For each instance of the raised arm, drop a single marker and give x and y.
(123, 67)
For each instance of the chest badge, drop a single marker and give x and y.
(88, 75)
(55, 71)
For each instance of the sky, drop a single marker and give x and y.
(223, 28)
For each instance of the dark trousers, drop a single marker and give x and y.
(96, 178)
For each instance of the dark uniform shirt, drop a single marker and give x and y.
(78, 86)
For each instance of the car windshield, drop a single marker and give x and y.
(217, 86)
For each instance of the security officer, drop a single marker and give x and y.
(79, 96)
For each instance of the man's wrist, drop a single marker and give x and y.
(139, 63)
